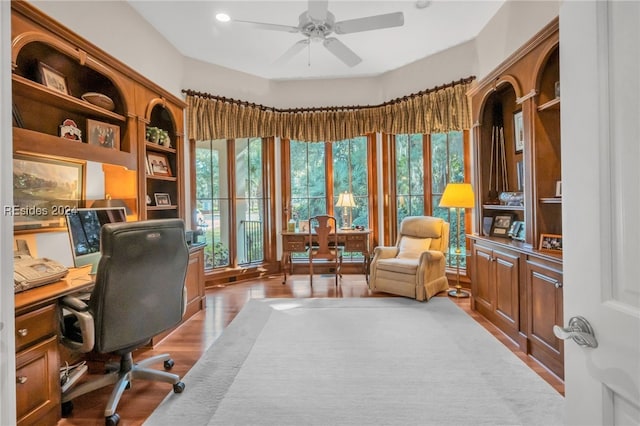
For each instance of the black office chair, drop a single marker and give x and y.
(139, 293)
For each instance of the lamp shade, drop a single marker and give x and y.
(458, 195)
(346, 200)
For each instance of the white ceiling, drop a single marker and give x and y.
(191, 27)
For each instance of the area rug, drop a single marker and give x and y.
(376, 361)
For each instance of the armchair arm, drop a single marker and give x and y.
(431, 256)
(80, 310)
(382, 252)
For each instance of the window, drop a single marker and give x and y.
(319, 172)
(231, 200)
(423, 166)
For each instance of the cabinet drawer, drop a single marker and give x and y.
(35, 325)
(37, 383)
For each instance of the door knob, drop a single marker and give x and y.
(579, 330)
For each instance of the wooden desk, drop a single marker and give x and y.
(352, 240)
(37, 353)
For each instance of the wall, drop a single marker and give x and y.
(121, 32)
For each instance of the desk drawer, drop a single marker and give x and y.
(358, 245)
(35, 325)
(295, 243)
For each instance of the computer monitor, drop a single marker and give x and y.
(84, 226)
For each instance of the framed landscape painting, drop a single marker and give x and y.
(45, 189)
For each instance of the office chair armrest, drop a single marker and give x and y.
(80, 310)
(74, 303)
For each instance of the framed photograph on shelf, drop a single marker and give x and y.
(487, 224)
(518, 132)
(162, 199)
(103, 134)
(53, 79)
(45, 189)
(501, 225)
(550, 243)
(159, 164)
(303, 226)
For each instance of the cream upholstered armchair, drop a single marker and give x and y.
(415, 266)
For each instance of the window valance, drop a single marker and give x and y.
(441, 109)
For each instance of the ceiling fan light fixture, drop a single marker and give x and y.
(222, 17)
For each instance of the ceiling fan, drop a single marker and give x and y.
(317, 24)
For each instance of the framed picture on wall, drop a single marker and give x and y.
(518, 128)
(45, 189)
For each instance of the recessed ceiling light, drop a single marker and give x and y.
(421, 4)
(223, 17)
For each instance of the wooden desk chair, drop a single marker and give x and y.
(326, 245)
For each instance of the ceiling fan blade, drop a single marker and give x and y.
(292, 51)
(376, 22)
(272, 27)
(318, 9)
(343, 53)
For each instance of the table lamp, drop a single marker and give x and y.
(458, 196)
(346, 201)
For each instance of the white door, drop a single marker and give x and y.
(600, 92)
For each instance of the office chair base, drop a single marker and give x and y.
(123, 378)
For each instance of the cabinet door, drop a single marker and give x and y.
(195, 283)
(482, 284)
(544, 294)
(37, 384)
(507, 272)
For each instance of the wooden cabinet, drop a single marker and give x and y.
(544, 310)
(194, 284)
(161, 157)
(516, 141)
(495, 286)
(520, 291)
(37, 373)
(40, 109)
(516, 115)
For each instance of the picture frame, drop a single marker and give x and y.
(45, 189)
(517, 230)
(53, 79)
(159, 164)
(162, 199)
(487, 224)
(303, 226)
(103, 134)
(501, 225)
(550, 243)
(518, 132)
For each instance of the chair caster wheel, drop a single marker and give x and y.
(67, 408)
(168, 364)
(178, 387)
(112, 420)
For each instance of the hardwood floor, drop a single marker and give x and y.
(192, 339)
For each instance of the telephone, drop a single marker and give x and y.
(29, 272)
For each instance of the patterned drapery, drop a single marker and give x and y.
(442, 109)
